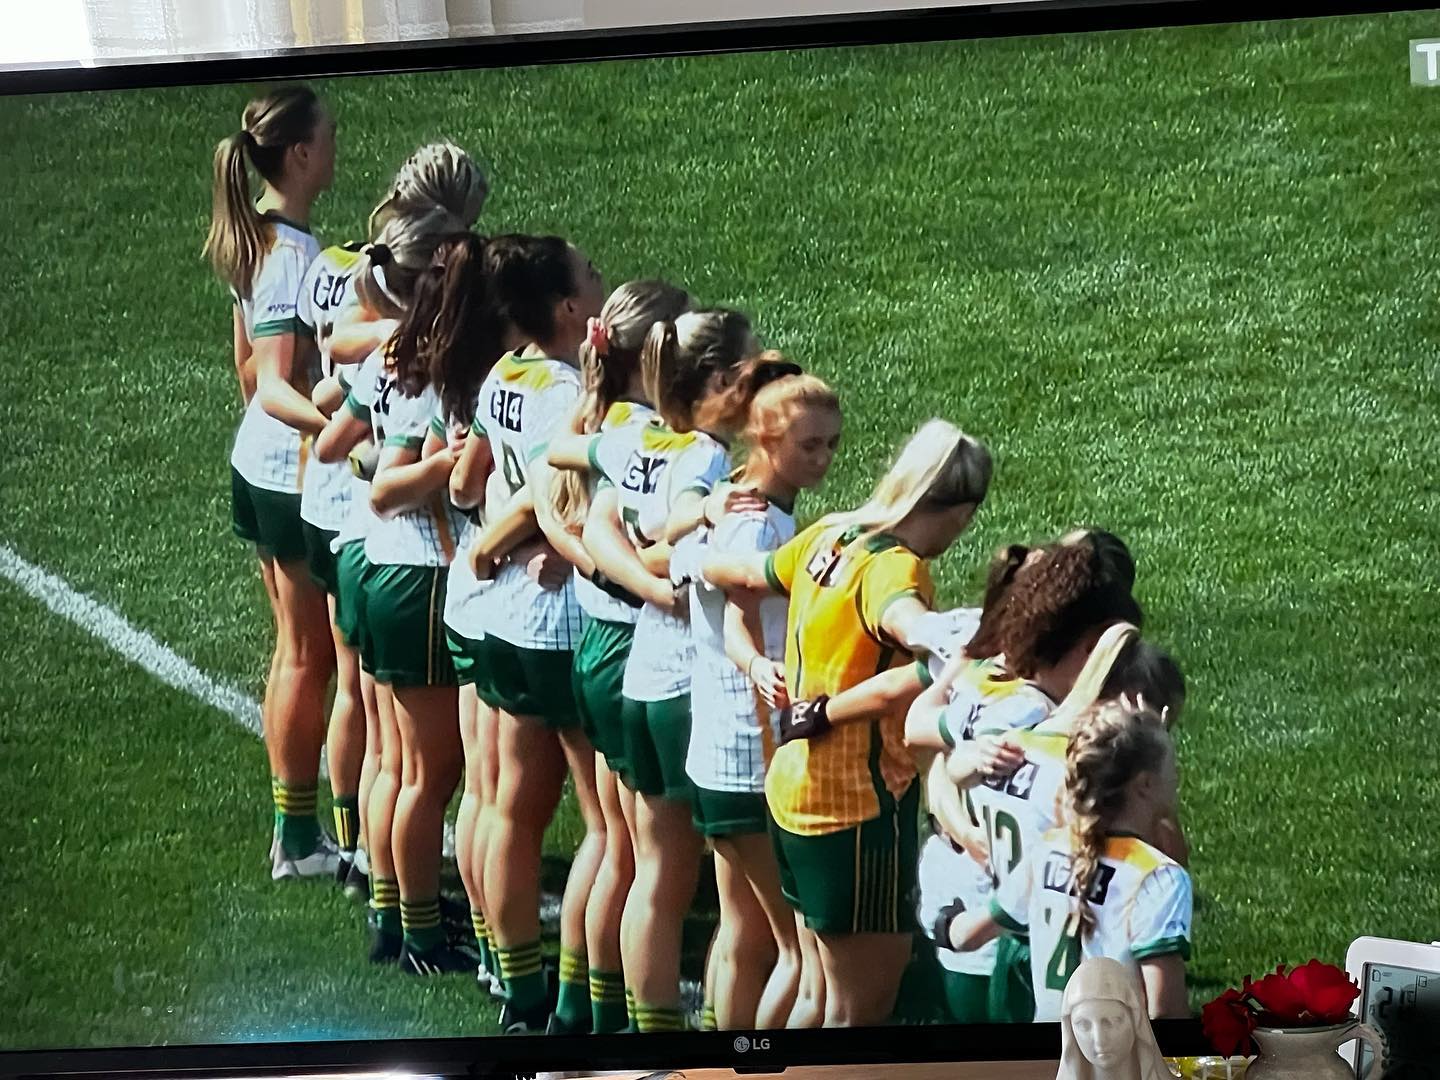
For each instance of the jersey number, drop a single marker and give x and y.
(630, 518)
(823, 567)
(1063, 962)
(510, 465)
(1001, 824)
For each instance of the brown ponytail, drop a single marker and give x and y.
(1114, 745)
(238, 236)
(729, 410)
(680, 357)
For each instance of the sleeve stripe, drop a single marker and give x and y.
(438, 427)
(277, 328)
(922, 672)
(355, 408)
(536, 452)
(885, 607)
(1001, 916)
(772, 578)
(592, 452)
(404, 442)
(1164, 947)
(477, 428)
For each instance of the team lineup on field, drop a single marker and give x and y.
(997, 858)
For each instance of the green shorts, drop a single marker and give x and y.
(657, 741)
(465, 655)
(1012, 993)
(321, 560)
(730, 813)
(403, 638)
(860, 880)
(597, 673)
(967, 998)
(350, 566)
(268, 519)
(527, 682)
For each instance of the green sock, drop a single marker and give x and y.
(295, 814)
(573, 1006)
(630, 1022)
(385, 902)
(658, 1018)
(420, 920)
(524, 976)
(346, 809)
(608, 1010)
(482, 939)
(707, 1017)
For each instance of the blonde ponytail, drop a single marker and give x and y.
(938, 466)
(1092, 678)
(1116, 743)
(437, 175)
(238, 237)
(269, 126)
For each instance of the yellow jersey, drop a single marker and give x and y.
(839, 593)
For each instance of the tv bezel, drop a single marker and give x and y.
(763, 1051)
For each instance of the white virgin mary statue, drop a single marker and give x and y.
(1105, 1026)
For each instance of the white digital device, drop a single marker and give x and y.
(1400, 997)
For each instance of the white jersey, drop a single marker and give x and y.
(267, 451)
(594, 601)
(523, 402)
(939, 635)
(364, 402)
(424, 536)
(728, 746)
(325, 294)
(651, 466)
(948, 874)
(465, 594)
(1142, 902)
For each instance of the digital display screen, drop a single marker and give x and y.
(1404, 1005)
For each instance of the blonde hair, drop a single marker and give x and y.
(680, 356)
(776, 405)
(1091, 680)
(239, 237)
(388, 269)
(939, 466)
(437, 175)
(1118, 742)
(625, 321)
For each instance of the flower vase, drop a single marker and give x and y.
(1309, 1053)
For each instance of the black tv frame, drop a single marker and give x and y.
(498, 1056)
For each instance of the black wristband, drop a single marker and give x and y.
(614, 589)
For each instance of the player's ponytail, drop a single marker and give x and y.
(727, 412)
(437, 175)
(609, 360)
(938, 467)
(388, 270)
(468, 333)
(1116, 743)
(239, 236)
(1093, 677)
(690, 359)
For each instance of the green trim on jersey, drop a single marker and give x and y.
(1001, 916)
(437, 426)
(773, 579)
(356, 409)
(279, 328)
(1169, 946)
(404, 442)
(477, 428)
(536, 452)
(922, 672)
(594, 458)
(271, 215)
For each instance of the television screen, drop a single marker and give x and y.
(794, 538)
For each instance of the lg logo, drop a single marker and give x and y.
(744, 1044)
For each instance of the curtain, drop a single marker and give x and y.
(128, 28)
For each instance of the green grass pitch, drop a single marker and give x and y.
(1182, 282)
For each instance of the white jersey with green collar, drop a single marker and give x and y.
(267, 451)
(728, 746)
(595, 602)
(1142, 901)
(362, 402)
(326, 293)
(651, 466)
(523, 402)
(425, 536)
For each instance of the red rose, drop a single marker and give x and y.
(1227, 1022)
(1279, 999)
(1325, 991)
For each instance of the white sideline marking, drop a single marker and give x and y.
(134, 644)
(140, 648)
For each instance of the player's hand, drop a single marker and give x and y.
(998, 756)
(769, 678)
(481, 565)
(669, 598)
(805, 720)
(544, 565)
(944, 920)
(727, 498)
(457, 440)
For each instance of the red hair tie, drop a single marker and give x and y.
(598, 336)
